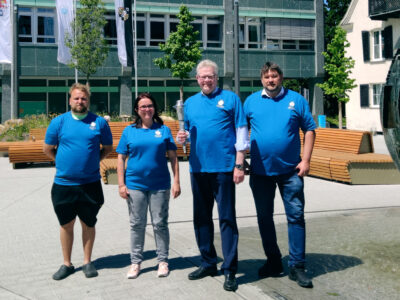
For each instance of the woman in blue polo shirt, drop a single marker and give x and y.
(146, 182)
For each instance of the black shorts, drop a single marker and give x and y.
(83, 201)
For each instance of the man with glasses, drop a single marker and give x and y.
(73, 140)
(218, 134)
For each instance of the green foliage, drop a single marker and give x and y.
(338, 67)
(17, 130)
(182, 50)
(90, 49)
(334, 11)
(295, 84)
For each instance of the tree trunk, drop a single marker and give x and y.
(340, 114)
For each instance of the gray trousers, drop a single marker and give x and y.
(158, 203)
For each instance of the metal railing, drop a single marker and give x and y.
(384, 9)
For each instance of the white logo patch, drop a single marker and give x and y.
(291, 105)
(157, 134)
(92, 126)
(220, 103)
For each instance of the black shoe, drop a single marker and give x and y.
(297, 273)
(64, 272)
(271, 268)
(89, 270)
(230, 283)
(202, 272)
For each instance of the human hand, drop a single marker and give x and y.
(303, 168)
(123, 191)
(238, 175)
(176, 190)
(181, 136)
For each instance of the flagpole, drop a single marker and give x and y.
(12, 59)
(135, 48)
(76, 70)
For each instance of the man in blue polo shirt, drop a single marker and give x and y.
(73, 140)
(276, 115)
(218, 135)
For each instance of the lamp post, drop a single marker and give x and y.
(236, 29)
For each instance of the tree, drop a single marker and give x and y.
(182, 50)
(89, 48)
(338, 68)
(334, 11)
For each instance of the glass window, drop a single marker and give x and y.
(378, 45)
(36, 25)
(289, 45)
(306, 45)
(214, 35)
(156, 33)
(199, 27)
(57, 103)
(254, 36)
(376, 94)
(24, 29)
(110, 29)
(273, 45)
(45, 29)
(140, 33)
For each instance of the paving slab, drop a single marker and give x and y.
(352, 245)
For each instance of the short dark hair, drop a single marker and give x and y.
(269, 65)
(156, 117)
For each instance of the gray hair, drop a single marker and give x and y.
(207, 63)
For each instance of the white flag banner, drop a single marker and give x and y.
(123, 19)
(65, 16)
(5, 32)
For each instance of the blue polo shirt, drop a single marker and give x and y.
(275, 124)
(78, 147)
(146, 149)
(212, 121)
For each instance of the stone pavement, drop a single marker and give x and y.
(353, 245)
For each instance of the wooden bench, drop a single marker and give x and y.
(27, 152)
(347, 156)
(36, 134)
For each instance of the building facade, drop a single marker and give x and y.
(289, 32)
(372, 45)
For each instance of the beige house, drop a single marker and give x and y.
(372, 45)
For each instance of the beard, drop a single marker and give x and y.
(79, 109)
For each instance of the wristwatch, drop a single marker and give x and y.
(239, 167)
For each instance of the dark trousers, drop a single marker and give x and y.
(207, 187)
(291, 188)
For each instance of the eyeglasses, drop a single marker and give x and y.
(144, 107)
(210, 77)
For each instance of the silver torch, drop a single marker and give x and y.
(179, 112)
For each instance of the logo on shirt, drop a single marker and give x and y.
(157, 134)
(220, 103)
(92, 126)
(291, 105)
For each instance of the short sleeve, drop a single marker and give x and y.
(52, 132)
(122, 147)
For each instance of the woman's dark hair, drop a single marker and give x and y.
(138, 120)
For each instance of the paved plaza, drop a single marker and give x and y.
(353, 242)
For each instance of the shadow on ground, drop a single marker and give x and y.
(317, 264)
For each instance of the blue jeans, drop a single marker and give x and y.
(157, 202)
(219, 186)
(291, 187)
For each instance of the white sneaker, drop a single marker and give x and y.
(133, 272)
(163, 270)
